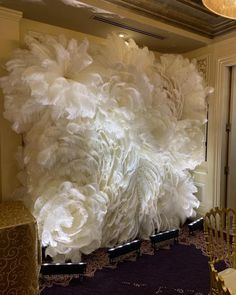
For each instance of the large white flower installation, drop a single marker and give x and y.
(110, 135)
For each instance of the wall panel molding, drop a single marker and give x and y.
(9, 39)
(10, 14)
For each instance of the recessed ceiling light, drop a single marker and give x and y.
(122, 35)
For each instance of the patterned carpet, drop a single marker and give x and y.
(177, 269)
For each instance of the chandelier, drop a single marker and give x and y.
(225, 8)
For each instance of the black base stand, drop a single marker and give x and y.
(48, 267)
(115, 252)
(63, 268)
(196, 225)
(160, 237)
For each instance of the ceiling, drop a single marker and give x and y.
(162, 25)
(188, 14)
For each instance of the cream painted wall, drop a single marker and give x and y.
(9, 39)
(220, 55)
(27, 26)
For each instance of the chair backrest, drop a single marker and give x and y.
(220, 235)
(222, 289)
(217, 283)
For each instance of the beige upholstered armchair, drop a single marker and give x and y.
(220, 236)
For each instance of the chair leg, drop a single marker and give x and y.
(213, 285)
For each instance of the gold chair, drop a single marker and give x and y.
(219, 284)
(220, 237)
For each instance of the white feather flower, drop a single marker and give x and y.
(110, 134)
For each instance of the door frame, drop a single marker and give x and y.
(219, 119)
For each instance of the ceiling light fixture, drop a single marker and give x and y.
(225, 8)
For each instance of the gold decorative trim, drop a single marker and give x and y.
(203, 65)
(19, 250)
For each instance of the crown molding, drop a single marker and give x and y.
(10, 14)
(190, 15)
